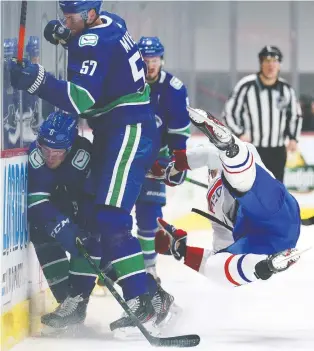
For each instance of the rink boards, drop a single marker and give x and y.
(24, 290)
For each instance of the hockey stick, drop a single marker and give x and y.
(212, 218)
(20, 45)
(308, 221)
(175, 341)
(196, 182)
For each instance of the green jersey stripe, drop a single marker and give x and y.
(80, 98)
(138, 98)
(130, 265)
(123, 163)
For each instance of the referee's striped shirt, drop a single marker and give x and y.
(266, 114)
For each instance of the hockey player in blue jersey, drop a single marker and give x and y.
(258, 219)
(106, 84)
(58, 212)
(169, 99)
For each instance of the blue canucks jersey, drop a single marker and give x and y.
(115, 17)
(68, 182)
(106, 75)
(169, 99)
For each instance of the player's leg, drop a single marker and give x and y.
(235, 265)
(120, 160)
(148, 209)
(72, 311)
(267, 209)
(53, 261)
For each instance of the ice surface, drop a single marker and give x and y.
(277, 314)
(272, 315)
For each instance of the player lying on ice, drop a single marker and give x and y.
(264, 216)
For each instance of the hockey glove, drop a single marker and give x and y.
(164, 169)
(55, 33)
(65, 232)
(170, 241)
(172, 176)
(158, 169)
(27, 76)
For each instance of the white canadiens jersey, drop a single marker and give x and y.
(220, 202)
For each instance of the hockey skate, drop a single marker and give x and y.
(216, 132)
(143, 309)
(166, 309)
(67, 317)
(276, 263)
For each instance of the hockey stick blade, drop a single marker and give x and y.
(308, 221)
(174, 341)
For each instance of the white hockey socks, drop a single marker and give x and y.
(240, 170)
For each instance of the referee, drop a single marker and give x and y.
(263, 110)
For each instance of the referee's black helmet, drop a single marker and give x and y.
(270, 50)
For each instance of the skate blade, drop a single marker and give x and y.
(134, 334)
(68, 331)
(171, 320)
(48, 331)
(198, 117)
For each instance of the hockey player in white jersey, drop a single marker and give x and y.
(244, 195)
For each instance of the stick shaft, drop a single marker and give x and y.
(22, 29)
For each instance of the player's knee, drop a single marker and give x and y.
(112, 220)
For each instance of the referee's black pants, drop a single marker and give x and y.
(274, 159)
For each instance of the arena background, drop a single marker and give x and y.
(209, 45)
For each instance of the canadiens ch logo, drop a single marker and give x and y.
(214, 194)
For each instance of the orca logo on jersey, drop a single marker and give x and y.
(35, 159)
(89, 39)
(81, 159)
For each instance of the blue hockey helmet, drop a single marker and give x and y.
(58, 131)
(151, 46)
(10, 47)
(81, 7)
